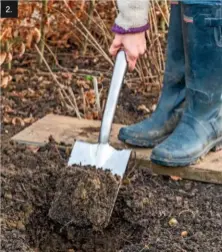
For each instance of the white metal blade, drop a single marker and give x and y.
(101, 156)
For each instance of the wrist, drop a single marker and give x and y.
(120, 30)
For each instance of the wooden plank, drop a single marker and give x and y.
(67, 130)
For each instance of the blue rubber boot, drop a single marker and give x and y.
(163, 121)
(200, 128)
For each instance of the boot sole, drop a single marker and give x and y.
(143, 143)
(215, 146)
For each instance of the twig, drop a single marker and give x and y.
(43, 23)
(95, 84)
(9, 64)
(74, 99)
(84, 100)
(61, 90)
(91, 9)
(187, 211)
(54, 56)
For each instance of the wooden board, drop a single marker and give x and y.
(68, 129)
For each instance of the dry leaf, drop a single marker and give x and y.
(20, 70)
(82, 83)
(8, 109)
(36, 35)
(76, 68)
(29, 120)
(19, 49)
(45, 83)
(8, 58)
(7, 120)
(29, 40)
(175, 178)
(5, 81)
(95, 114)
(2, 57)
(18, 121)
(89, 116)
(90, 96)
(18, 78)
(67, 75)
(40, 79)
(6, 34)
(143, 108)
(22, 50)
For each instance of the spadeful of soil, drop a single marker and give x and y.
(85, 196)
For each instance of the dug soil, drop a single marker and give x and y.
(85, 196)
(152, 213)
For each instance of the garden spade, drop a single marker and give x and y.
(101, 154)
(86, 201)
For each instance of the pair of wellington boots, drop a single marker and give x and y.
(187, 122)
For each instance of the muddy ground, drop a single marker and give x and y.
(152, 213)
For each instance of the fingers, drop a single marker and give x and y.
(131, 64)
(133, 52)
(116, 45)
(134, 45)
(132, 55)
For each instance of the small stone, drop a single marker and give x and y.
(129, 203)
(83, 194)
(173, 222)
(146, 201)
(8, 196)
(188, 186)
(179, 200)
(184, 233)
(71, 250)
(218, 215)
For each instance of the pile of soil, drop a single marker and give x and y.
(141, 220)
(85, 196)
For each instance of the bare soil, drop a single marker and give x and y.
(141, 217)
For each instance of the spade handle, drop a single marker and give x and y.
(119, 71)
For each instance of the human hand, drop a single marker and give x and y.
(134, 45)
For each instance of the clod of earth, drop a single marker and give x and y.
(85, 197)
